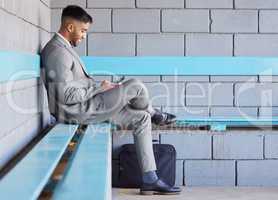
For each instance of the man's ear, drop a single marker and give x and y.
(70, 27)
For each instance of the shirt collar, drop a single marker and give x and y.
(64, 39)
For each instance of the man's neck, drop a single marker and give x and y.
(64, 35)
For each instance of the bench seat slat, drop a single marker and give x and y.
(229, 121)
(88, 174)
(221, 124)
(35, 169)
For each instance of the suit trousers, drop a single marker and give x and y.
(128, 106)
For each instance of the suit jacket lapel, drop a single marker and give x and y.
(71, 50)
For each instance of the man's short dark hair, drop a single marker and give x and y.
(76, 13)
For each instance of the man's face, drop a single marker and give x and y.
(78, 33)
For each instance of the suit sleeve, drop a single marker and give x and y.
(67, 90)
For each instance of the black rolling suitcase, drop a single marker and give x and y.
(130, 174)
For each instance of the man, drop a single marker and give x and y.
(74, 96)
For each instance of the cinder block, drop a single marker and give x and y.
(45, 17)
(145, 79)
(256, 45)
(111, 4)
(160, 3)
(64, 3)
(46, 2)
(268, 78)
(187, 112)
(122, 137)
(209, 173)
(111, 44)
(209, 4)
(256, 4)
(256, 94)
(179, 173)
(18, 138)
(189, 145)
(10, 5)
(18, 106)
(10, 86)
(234, 78)
(257, 173)
(213, 94)
(31, 44)
(18, 8)
(20, 42)
(28, 10)
(160, 45)
(268, 21)
(55, 19)
(179, 78)
(234, 21)
(185, 20)
(44, 38)
(234, 112)
(271, 145)
(166, 94)
(126, 20)
(268, 112)
(209, 45)
(237, 146)
(101, 20)
(3, 34)
(14, 41)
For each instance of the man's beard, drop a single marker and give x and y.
(74, 41)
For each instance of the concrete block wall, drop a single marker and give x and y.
(24, 113)
(205, 158)
(26, 25)
(177, 27)
(25, 28)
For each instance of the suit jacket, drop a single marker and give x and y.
(71, 91)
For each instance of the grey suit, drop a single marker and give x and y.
(74, 97)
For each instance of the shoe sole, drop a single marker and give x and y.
(158, 193)
(168, 123)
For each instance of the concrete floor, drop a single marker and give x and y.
(204, 193)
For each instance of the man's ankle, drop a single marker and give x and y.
(149, 177)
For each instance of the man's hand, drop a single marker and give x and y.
(106, 85)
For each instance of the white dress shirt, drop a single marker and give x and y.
(64, 39)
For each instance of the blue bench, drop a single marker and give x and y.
(28, 178)
(33, 172)
(191, 66)
(89, 174)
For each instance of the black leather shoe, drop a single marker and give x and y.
(159, 187)
(162, 118)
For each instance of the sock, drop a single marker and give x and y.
(149, 177)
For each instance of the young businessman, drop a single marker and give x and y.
(74, 97)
